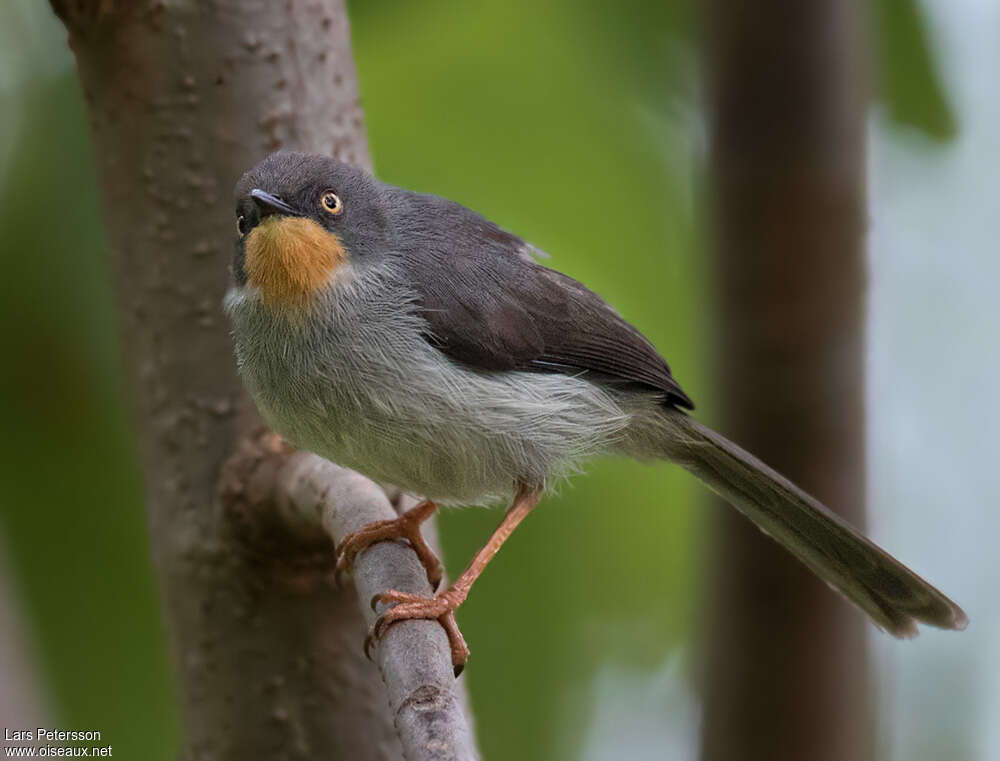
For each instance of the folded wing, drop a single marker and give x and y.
(490, 306)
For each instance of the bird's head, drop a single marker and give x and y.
(300, 219)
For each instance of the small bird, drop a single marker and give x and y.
(409, 338)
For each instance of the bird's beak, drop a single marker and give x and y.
(268, 204)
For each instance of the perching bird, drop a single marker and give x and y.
(411, 339)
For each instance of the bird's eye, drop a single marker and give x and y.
(241, 225)
(332, 203)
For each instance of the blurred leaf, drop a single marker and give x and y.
(911, 84)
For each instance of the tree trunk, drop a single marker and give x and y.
(183, 97)
(786, 673)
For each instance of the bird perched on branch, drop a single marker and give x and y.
(411, 339)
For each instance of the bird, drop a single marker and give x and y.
(409, 338)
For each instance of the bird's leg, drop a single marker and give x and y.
(406, 526)
(442, 607)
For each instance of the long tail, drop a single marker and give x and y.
(893, 595)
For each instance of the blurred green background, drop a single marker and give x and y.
(578, 125)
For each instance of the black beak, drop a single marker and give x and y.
(268, 204)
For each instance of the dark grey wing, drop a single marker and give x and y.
(593, 337)
(489, 305)
(474, 313)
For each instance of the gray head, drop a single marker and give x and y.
(301, 215)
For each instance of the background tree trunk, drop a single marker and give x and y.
(183, 97)
(786, 658)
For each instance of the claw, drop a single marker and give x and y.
(441, 607)
(369, 641)
(340, 576)
(413, 607)
(406, 526)
(378, 627)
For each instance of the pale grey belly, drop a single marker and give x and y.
(451, 435)
(363, 388)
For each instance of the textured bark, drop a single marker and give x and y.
(183, 96)
(786, 659)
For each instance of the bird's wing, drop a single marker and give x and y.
(491, 306)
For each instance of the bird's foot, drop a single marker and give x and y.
(442, 607)
(408, 607)
(406, 526)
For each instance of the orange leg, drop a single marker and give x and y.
(406, 526)
(442, 607)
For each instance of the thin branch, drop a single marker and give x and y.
(314, 502)
(413, 656)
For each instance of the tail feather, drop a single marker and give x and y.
(893, 595)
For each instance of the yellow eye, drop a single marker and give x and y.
(332, 203)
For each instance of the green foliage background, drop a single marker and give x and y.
(575, 124)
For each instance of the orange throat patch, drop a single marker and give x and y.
(290, 259)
